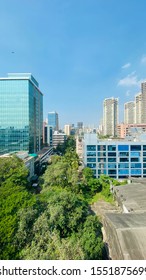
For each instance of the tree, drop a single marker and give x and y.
(91, 239)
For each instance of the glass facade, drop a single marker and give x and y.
(21, 114)
(53, 120)
(117, 159)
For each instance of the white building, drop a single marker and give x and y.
(110, 116)
(129, 112)
(138, 108)
(67, 129)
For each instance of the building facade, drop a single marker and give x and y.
(110, 116)
(21, 114)
(143, 104)
(129, 112)
(58, 138)
(130, 129)
(53, 120)
(67, 129)
(138, 108)
(117, 159)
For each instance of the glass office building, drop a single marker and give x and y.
(21, 114)
(53, 120)
(117, 159)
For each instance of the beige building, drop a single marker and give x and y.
(67, 129)
(143, 105)
(138, 108)
(110, 116)
(129, 112)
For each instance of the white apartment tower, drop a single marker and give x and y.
(143, 105)
(110, 116)
(138, 108)
(129, 112)
(67, 129)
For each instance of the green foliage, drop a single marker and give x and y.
(12, 169)
(69, 144)
(57, 223)
(91, 239)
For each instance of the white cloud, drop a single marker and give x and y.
(127, 65)
(130, 80)
(143, 60)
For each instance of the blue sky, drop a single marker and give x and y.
(80, 52)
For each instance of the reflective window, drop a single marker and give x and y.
(91, 165)
(112, 171)
(111, 159)
(101, 148)
(101, 154)
(123, 165)
(124, 159)
(123, 154)
(135, 159)
(123, 171)
(101, 159)
(123, 148)
(91, 154)
(91, 159)
(102, 171)
(135, 165)
(112, 154)
(111, 165)
(135, 171)
(91, 148)
(102, 165)
(135, 154)
(111, 148)
(135, 148)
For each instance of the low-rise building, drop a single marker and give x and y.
(115, 158)
(58, 138)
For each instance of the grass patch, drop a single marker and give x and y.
(101, 196)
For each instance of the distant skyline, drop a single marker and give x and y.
(80, 52)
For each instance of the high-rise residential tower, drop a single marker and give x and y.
(110, 116)
(67, 129)
(143, 105)
(53, 120)
(21, 113)
(129, 112)
(138, 108)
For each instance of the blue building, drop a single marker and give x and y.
(21, 114)
(117, 159)
(53, 120)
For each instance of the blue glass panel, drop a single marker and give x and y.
(135, 154)
(91, 165)
(123, 165)
(91, 154)
(91, 159)
(135, 165)
(135, 148)
(91, 148)
(101, 148)
(135, 171)
(111, 148)
(123, 171)
(123, 148)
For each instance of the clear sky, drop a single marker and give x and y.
(80, 52)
